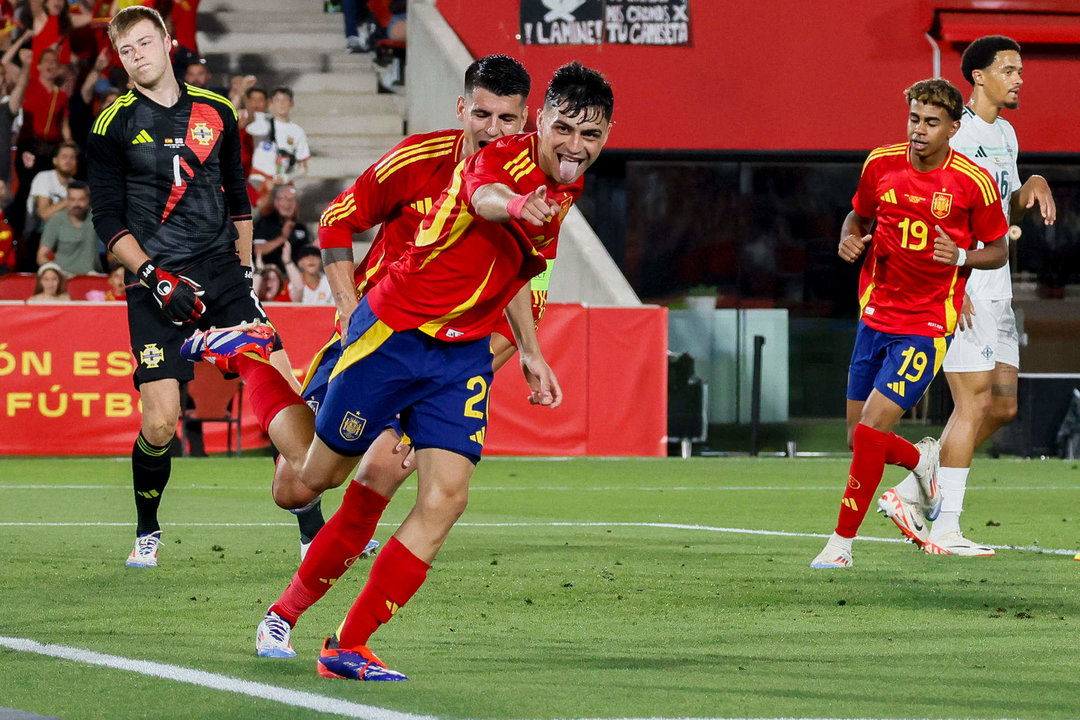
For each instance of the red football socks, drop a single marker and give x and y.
(336, 546)
(901, 452)
(395, 576)
(268, 391)
(867, 467)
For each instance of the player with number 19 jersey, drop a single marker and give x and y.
(903, 291)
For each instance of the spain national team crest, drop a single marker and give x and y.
(151, 356)
(941, 205)
(352, 426)
(202, 133)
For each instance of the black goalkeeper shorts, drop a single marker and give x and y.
(155, 341)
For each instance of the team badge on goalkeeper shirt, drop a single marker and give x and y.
(202, 133)
(151, 356)
(941, 205)
(352, 426)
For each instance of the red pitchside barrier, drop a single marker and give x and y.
(65, 382)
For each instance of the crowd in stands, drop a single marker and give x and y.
(58, 72)
(378, 27)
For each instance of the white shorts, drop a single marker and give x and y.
(992, 340)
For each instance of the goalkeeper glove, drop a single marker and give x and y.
(178, 296)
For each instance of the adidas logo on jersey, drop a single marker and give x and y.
(889, 196)
(142, 137)
(980, 152)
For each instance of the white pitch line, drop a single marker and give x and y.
(548, 488)
(662, 526)
(285, 696)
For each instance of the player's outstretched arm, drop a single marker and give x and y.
(499, 203)
(990, 257)
(1035, 190)
(854, 236)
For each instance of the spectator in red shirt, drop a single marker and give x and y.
(52, 26)
(45, 107)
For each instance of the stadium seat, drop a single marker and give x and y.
(215, 399)
(17, 286)
(80, 285)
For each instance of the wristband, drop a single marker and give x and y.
(515, 205)
(145, 272)
(961, 257)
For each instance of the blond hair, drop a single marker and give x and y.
(129, 16)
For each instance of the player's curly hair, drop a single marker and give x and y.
(576, 89)
(940, 92)
(980, 54)
(126, 18)
(498, 74)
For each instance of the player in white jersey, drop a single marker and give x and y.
(982, 363)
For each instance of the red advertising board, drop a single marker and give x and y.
(65, 382)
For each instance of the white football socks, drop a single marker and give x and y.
(908, 489)
(952, 482)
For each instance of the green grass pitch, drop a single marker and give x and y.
(570, 589)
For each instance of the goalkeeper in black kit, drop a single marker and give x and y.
(168, 196)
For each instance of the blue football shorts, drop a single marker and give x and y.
(314, 386)
(438, 389)
(900, 367)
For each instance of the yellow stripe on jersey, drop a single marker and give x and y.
(109, 113)
(369, 273)
(429, 235)
(973, 171)
(950, 308)
(886, 151)
(210, 95)
(315, 361)
(415, 158)
(368, 343)
(520, 165)
(864, 300)
(940, 346)
(432, 327)
(336, 211)
(421, 151)
(461, 224)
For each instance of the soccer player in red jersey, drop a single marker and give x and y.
(418, 343)
(927, 205)
(395, 192)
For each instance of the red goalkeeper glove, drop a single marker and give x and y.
(178, 296)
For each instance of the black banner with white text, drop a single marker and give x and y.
(616, 22)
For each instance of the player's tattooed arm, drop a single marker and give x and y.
(339, 266)
(854, 236)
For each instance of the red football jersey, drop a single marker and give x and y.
(397, 192)
(903, 290)
(455, 280)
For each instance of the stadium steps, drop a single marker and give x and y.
(348, 123)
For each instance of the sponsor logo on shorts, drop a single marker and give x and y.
(352, 426)
(987, 352)
(151, 355)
